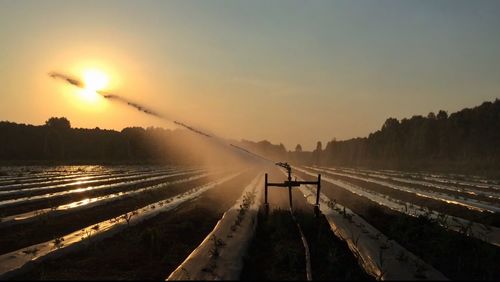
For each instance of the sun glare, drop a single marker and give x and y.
(95, 80)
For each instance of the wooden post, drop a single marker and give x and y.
(266, 204)
(290, 187)
(318, 191)
(265, 190)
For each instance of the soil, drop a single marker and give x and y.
(437, 205)
(457, 256)
(150, 250)
(48, 227)
(277, 251)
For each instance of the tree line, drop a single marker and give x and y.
(56, 141)
(467, 140)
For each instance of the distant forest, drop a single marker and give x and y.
(465, 141)
(57, 142)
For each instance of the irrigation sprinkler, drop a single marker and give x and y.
(289, 183)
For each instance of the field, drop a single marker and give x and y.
(159, 222)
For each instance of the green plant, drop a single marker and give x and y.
(465, 229)
(217, 244)
(248, 200)
(58, 242)
(442, 219)
(86, 233)
(188, 277)
(127, 217)
(33, 251)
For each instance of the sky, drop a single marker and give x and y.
(285, 71)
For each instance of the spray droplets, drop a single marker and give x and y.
(141, 108)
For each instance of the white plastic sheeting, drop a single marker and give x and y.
(492, 194)
(473, 181)
(220, 255)
(86, 189)
(447, 186)
(16, 176)
(381, 257)
(465, 202)
(13, 262)
(89, 202)
(489, 234)
(45, 177)
(26, 189)
(64, 181)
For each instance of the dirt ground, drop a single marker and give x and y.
(277, 251)
(152, 249)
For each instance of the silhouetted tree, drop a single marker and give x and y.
(58, 123)
(319, 146)
(442, 115)
(469, 138)
(298, 148)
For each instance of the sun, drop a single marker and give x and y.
(93, 81)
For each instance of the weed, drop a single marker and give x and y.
(128, 216)
(217, 244)
(332, 204)
(33, 251)
(86, 233)
(248, 200)
(58, 242)
(188, 277)
(442, 219)
(465, 229)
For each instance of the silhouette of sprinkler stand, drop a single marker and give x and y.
(289, 183)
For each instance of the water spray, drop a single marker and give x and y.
(78, 83)
(289, 183)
